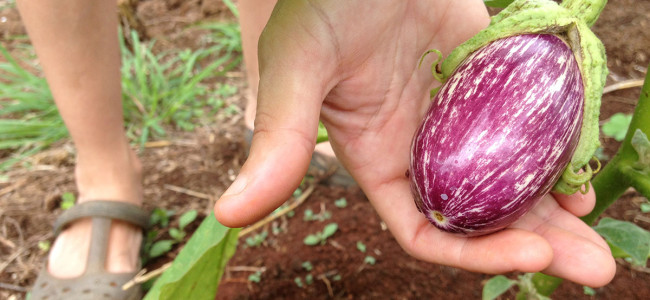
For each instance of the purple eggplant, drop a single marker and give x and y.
(498, 134)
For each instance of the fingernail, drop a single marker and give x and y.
(236, 187)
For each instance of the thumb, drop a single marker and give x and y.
(284, 137)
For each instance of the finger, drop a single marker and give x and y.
(504, 251)
(292, 87)
(578, 203)
(579, 253)
(549, 211)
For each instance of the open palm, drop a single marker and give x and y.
(355, 66)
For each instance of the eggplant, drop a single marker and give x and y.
(499, 134)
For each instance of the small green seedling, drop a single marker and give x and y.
(321, 237)
(275, 229)
(307, 266)
(589, 291)
(179, 233)
(298, 282)
(321, 216)
(44, 245)
(255, 277)
(645, 207)
(161, 217)
(341, 203)
(257, 240)
(297, 193)
(336, 277)
(361, 246)
(67, 200)
(309, 279)
(369, 260)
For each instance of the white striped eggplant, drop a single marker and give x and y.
(516, 116)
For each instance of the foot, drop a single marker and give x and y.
(116, 179)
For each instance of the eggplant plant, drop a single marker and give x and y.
(516, 116)
(443, 171)
(630, 167)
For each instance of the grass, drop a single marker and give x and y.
(159, 90)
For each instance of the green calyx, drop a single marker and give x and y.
(570, 21)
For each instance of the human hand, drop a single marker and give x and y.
(356, 66)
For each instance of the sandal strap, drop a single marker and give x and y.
(106, 209)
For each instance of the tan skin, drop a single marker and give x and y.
(355, 67)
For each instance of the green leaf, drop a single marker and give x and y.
(44, 245)
(617, 252)
(361, 246)
(329, 230)
(311, 240)
(496, 286)
(177, 234)
(160, 216)
(255, 277)
(67, 200)
(627, 236)
(369, 260)
(588, 291)
(161, 247)
(309, 279)
(617, 125)
(309, 215)
(186, 219)
(641, 144)
(297, 193)
(197, 270)
(298, 282)
(307, 266)
(497, 3)
(322, 133)
(341, 203)
(645, 207)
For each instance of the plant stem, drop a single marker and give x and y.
(588, 10)
(614, 179)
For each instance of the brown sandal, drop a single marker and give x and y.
(95, 282)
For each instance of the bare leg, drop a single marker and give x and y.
(76, 42)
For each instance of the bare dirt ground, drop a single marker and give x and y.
(203, 163)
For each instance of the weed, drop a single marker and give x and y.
(67, 200)
(44, 246)
(361, 246)
(321, 216)
(341, 203)
(298, 282)
(645, 207)
(321, 237)
(307, 266)
(158, 89)
(257, 240)
(152, 248)
(255, 277)
(369, 260)
(297, 193)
